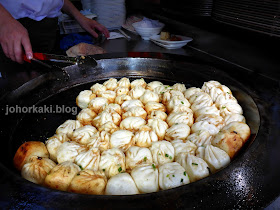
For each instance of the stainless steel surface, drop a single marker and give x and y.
(137, 44)
(86, 62)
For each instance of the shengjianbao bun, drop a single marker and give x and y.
(27, 150)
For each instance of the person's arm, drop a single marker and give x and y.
(86, 23)
(13, 36)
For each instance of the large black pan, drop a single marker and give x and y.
(250, 181)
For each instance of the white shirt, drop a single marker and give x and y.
(33, 9)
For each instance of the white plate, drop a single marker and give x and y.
(165, 42)
(170, 47)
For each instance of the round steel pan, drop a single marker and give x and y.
(250, 181)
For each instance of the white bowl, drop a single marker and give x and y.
(146, 33)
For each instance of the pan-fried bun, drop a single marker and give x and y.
(121, 184)
(124, 82)
(84, 98)
(240, 128)
(28, 149)
(230, 142)
(61, 175)
(88, 182)
(37, 169)
(172, 175)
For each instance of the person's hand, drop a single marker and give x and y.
(13, 36)
(88, 24)
(91, 25)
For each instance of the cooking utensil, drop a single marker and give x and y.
(81, 61)
(58, 72)
(248, 182)
(100, 39)
(42, 63)
(84, 62)
(125, 35)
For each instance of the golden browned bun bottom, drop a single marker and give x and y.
(28, 149)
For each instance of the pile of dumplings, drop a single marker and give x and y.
(133, 137)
